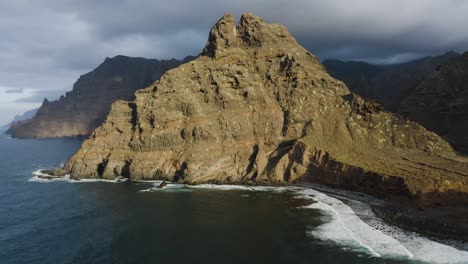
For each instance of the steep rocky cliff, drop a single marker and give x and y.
(440, 102)
(386, 84)
(83, 109)
(256, 106)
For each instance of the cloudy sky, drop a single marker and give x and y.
(45, 45)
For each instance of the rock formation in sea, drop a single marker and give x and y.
(84, 108)
(256, 107)
(440, 102)
(386, 84)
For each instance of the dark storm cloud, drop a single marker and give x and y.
(47, 44)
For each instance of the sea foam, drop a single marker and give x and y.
(38, 173)
(344, 227)
(170, 187)
(341, 226)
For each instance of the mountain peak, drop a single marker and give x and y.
(222, 35)
(251, 32)
(45, 102)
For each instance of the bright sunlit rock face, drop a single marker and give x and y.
(256, 106)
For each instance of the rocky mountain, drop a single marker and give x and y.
(256, 107)
(84, 108)
(440, 102)
(386, 84)
(25, 116)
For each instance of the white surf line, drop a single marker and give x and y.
(148, 181)
(397, 243)
(168, 187)
(224, 187)
(419, 247)
(348, 229)
(97, 180)
(340, 220)
(378, 243)
(37, 174)
(422, 248)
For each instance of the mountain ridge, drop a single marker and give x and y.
(81, 110)
(385, 83)
(440, 102)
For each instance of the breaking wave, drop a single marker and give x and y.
(341, 224)
(38, 174)
(344, 227)
(170, 187)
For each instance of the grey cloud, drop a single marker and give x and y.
(39, 96)
(14, 91)
(48, 44)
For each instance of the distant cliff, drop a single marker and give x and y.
(25, 116)
(440, 102)
(84, 108)
(386, 84)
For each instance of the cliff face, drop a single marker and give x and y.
(83, 109)
(440, 102)
(258, 107)
(386, 84)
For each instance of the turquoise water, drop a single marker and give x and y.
(99, 222)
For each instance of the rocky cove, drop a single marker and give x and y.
(256, 108)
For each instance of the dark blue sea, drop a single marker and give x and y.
(134, 222)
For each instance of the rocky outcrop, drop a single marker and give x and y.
(440, 102)
(256, 107)
(83, 109)
(386, 84)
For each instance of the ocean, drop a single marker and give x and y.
(66, 221)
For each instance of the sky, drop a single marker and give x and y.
(45, 45)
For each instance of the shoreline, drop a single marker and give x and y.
(437, 224)
(403, 220)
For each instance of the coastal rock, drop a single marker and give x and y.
(84, 108)
(440, 102)
(52, 174)
(256, 106)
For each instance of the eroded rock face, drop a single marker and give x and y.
(258, 107)
(83, 109)
(440, 102)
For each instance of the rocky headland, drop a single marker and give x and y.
(84, 108)
(257, 108)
